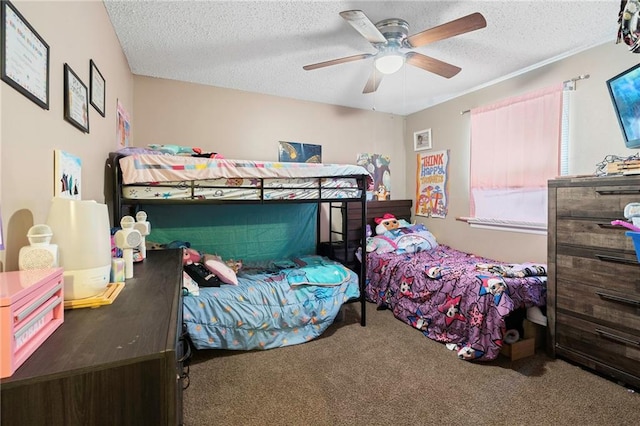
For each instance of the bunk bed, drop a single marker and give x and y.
(460, 299)
(273, 301)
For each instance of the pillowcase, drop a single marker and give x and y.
(221, 270)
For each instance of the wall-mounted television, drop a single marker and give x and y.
(624, 89)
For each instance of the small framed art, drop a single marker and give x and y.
(123, 131)
(76, 100)
(67, 171)
(297, 152)
(97, 87)
(422, 140)
(24, 56)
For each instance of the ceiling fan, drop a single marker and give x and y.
(392, 42)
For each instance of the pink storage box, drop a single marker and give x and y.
(31, 309)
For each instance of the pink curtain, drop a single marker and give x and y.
(515, 149)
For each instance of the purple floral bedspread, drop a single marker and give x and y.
(451, 296)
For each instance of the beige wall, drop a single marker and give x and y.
(243, 125)
(594, 133)
(75, 32)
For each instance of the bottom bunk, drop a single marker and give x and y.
(274, 304)
(253, 276)
(453, 297)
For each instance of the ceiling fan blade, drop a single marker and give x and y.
(433, 65)
(374, 81)
(363, 25)
(453, 28)
(337, 61)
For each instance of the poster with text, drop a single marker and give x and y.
(432, 184)
(378, 165)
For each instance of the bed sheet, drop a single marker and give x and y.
(274, 304)
(144, 168)
(454, 297)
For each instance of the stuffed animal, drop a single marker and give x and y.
(236, 265)
(382, 194)
(190, 256)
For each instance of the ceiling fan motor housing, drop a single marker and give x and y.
(395, 30)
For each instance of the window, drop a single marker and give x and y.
(515, 150)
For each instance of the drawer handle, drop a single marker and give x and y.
(617, 191)
(55, 301)
(607, 258)
(620, 339)
(618, 299)
(36, 304)
(607, 225)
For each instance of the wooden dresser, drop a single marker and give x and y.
(593, 302)
(119, 364)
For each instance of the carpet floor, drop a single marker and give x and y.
(388, 373)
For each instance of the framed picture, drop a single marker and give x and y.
(422, 140)
(76, 100)
(97, 87)
(67, 170)
(24, 56)
(297, 152)
(432, 184)
(123, 131)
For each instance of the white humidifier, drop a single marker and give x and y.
(82, 232)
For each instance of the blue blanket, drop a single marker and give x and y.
(270, 307)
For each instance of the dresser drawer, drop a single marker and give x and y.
(593, 233)
(598, 201)
(599, 268)
(600, 304)
(598, 343)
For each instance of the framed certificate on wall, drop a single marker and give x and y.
(25, 56)
(76, 100)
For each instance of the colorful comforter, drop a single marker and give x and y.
(141, 168)
(274, 304)
(454, 297)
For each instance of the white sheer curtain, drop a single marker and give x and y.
(515, 150)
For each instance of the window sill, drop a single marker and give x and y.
(504, 225)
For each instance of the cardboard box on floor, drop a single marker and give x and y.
(533, 338)
(537, 331)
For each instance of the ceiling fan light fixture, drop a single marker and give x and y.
(390, 63)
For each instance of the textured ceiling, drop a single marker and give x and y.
(261, 46)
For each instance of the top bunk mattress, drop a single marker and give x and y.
(153, 168)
